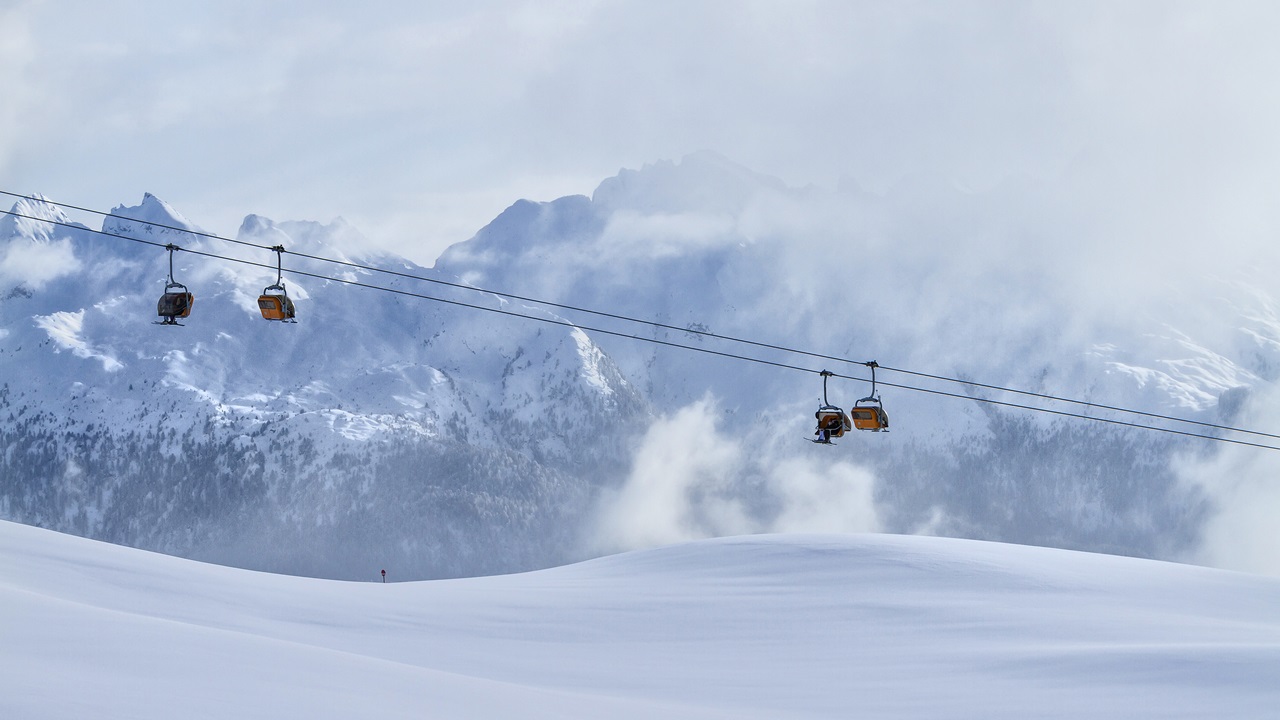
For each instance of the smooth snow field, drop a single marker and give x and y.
(782, 626)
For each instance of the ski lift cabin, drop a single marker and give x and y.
(869, 416)
(868, 413)
(176, 301)
(274, 302)
(832, 422)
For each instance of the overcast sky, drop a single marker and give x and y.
(420, 121)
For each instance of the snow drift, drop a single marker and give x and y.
(801, 626)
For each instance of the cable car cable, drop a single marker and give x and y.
(652, 323)
(566, 323)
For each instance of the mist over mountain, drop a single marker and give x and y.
(365, 435)
(387, 430)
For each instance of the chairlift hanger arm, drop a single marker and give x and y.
(825, 374)
(171, 248)
(279, 264)
(872, 396)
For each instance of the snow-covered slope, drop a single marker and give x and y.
(801, 626)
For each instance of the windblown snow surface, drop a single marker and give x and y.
(768, 626)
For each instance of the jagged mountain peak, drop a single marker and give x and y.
(154, 210)
(524, 228)
(337, 239)
(29, 220)
(255, 224)
(704, 186)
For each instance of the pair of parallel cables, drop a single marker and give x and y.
(1195, 428)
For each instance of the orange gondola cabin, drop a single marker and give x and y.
(832, 423)
(275, 304)
(175, 303)
(868, 413)
(869, 417)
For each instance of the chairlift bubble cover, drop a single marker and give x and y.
(175, 304)
(833, 420)
(275, 306)
(870, 417)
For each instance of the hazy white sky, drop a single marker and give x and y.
(420, 121)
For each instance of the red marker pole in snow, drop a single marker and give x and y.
(384, 576)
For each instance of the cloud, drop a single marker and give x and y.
(1242, 485)
(1242, 533)
(690, 480)
(681, 486)
(631, 236)
(419, 123)
(818, 494)
(34, 263)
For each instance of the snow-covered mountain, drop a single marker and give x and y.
(375, 430)
(386, 429)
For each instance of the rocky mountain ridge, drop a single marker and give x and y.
(387, 429)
